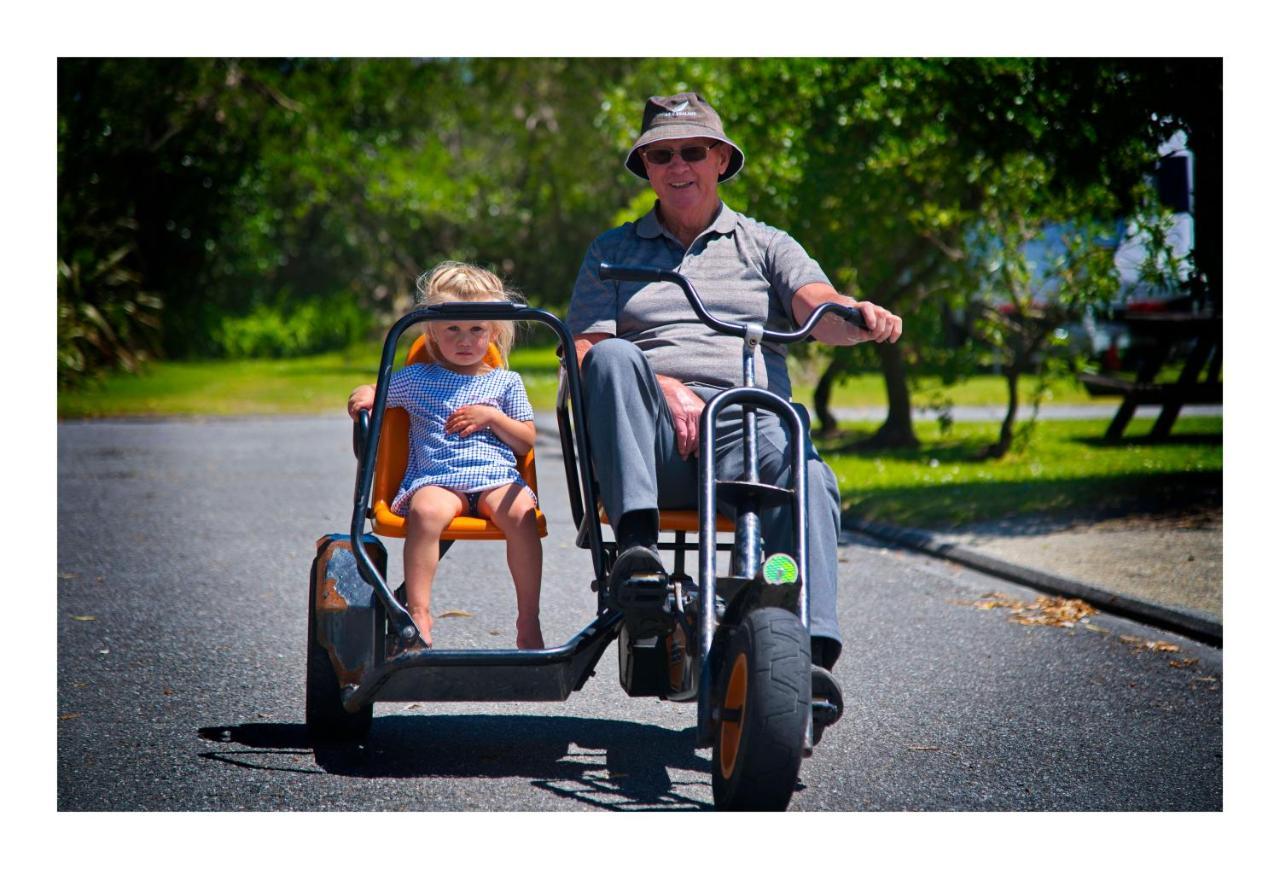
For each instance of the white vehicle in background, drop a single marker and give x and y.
(1153, 262)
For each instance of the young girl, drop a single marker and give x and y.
(467, 424)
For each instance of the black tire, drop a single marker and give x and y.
(763, 694)
(327, 719)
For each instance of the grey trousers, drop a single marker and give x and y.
(638, 468)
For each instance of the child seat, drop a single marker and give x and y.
(393, 458)
(681, 523)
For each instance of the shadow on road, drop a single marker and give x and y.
(607, 764)
(1032, 507)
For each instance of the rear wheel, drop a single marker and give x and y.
(327, 719)
(764, 702)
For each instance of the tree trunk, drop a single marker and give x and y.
(1000, 447)
(827, 424)
(897, 430)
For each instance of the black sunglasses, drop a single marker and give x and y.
(689, 154)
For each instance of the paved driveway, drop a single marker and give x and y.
(183, 552)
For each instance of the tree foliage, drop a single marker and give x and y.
(279, 206)
(883, 169)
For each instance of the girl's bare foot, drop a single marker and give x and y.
(422, 618)
(529, 634)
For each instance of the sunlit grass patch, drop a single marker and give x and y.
(312, 384)
(1067, 466)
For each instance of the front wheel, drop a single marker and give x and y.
(763, 694)
(327, 719)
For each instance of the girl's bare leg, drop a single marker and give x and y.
(431, 509)
(511, 508)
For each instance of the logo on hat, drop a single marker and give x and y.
(680, 110)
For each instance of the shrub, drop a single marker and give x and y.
(276, 331)
(106, 321)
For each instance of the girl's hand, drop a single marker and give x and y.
(466, 421)
(361, 398)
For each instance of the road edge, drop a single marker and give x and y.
(1181, 621)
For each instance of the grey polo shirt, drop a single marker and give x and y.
(744, 270)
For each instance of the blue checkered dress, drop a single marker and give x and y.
(476, 463)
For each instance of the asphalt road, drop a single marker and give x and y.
(183, 555)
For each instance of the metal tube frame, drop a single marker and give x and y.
(748, 397)
(747, 535)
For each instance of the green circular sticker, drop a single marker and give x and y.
(780, 569)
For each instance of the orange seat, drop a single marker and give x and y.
(681, 520)
(393, 458)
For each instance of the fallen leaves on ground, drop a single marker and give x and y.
(1054, 612)
(84, 618)
(455, 614)
(68, 716)
(1140, 645)
(1148, 645)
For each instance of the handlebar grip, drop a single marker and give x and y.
(853, 315)
(609, 272)
(360, 433)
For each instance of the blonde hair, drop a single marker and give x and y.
(462, 282)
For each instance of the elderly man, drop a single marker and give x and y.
(646, 391)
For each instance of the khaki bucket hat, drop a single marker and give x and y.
(682, 116)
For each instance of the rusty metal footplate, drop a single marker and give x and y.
(489, 674)
(351, 627)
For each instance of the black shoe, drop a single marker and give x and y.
(828, 701)
(825, 652)
(638, 580)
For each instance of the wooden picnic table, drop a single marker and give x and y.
(1167, 329)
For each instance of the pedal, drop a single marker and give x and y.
(825, 712)
(642, 591)
(828, 701)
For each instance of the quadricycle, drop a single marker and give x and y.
(734, 640)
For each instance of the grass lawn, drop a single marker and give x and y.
(1066, 469)
(867, 390)
(317, 384)
(313, 384)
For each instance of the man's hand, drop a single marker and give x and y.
(882, 324)
(686, 413)
(684, 403)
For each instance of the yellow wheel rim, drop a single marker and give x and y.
(735, 700)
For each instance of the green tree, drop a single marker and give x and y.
(144, 150)
(406, 163)
(276, 206)
(1041, 260)
(878, 168)
(268, 205)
